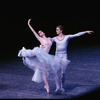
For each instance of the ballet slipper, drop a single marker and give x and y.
(57, 91)
(63, 90)
(21, 52)
(47, 88)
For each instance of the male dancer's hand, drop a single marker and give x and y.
(89, 32)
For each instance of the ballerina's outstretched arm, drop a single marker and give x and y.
(34, 32)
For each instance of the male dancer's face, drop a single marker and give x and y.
(58, 31)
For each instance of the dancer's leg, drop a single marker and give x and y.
(29, 53)
(62, 82)
(56, 82)
(46, 86)
(63, 73)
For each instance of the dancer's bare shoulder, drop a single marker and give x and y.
(50, 38)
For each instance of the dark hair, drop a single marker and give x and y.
(39, 31)
(60, 27)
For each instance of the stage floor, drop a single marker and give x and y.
(83, 77)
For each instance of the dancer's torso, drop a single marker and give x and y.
(61, 45)
(46, 44)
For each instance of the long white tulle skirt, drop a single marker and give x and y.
(40, 61)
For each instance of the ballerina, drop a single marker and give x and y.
(39, 60)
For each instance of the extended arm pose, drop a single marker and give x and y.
(61, 41)
(45, 44)
(39, 60)
(44, 41)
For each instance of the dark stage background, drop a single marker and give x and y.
(46, 15)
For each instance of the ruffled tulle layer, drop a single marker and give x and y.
(40, 61)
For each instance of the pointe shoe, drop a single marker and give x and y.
(21, 52)
(47, 88)
(23, 48)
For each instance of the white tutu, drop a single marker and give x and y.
(37, 77)
(39, 60)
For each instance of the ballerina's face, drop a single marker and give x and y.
(41, 33)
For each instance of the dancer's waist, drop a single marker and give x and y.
(60, 52)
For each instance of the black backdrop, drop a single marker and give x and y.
(46, 15)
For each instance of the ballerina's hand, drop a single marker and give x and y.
(29, 21)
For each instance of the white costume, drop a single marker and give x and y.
(61, 52)
(61, 48)
(39, 60)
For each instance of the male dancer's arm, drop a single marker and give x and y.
(80, 34)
